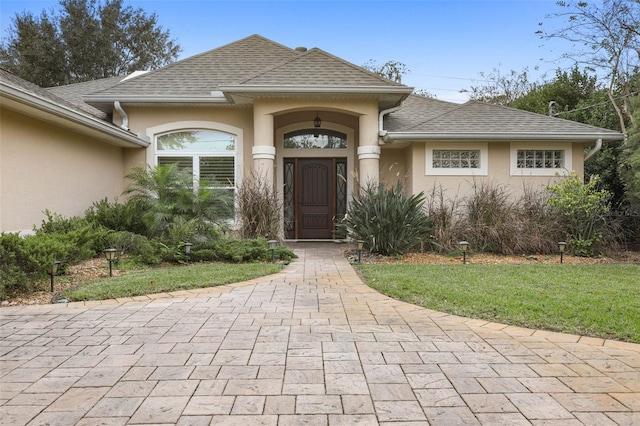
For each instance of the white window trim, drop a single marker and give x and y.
(483, 170)
(563, 146)
(176, 126)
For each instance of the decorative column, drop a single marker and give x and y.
(263, 150)
(369, 150)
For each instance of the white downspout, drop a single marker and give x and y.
(594, 150)
(123, 114)
(381, 132)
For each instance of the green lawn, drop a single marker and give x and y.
(594, 300)
(196, 275)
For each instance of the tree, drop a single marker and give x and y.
(630, 162)
(394, 71)
(35, 50)
(501, 89)
(560, 95)
(606, 38)
(87, 40)
(391, 70)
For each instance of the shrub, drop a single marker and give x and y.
(444, 216)
(258, 209)
(57, 224)
(114, 216)
(250, 250)
(13, 276)
(583, 209)
(491, 220)
(387, 219)
(137, 246)
(23, 260)
(539, 228)
(77, 235)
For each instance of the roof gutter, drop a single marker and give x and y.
(381, 132)
(506, 136)
(594, 150)
(123, 114)
(153, 99)
(370, 90)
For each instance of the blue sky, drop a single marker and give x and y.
(445, 44)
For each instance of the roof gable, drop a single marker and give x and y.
(203, 73)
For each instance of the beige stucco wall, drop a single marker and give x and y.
(461, 186)
(47, 167)
(141, 119)
(347, 113)
(578, 158)
(394, 167)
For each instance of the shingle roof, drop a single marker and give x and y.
(416, 109)
(32, 100)
(252, 61)
(74, 93)
(318, 68)
(200, 74)
(28, 87)
(429, 116)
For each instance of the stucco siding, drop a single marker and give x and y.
(393, 167)
(46, 167)
(141, 120)
(498, 172)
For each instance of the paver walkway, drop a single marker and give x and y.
(310, 345)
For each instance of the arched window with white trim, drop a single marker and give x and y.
(210, 155)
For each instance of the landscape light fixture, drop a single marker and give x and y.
(360, 247)
(272, 247)
(317, 122)
(187, 250)
(53, 271)
(110, 254)
(464, 245)
(562, 245)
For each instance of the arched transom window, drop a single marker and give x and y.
(315, 139)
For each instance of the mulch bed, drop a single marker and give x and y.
(81, 273)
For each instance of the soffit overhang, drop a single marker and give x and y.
(387, 97)
(43, 109)
(242, 95)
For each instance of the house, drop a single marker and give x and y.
(315, 126)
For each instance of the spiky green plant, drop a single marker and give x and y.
(388, 220)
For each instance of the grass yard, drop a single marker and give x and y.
(595, 300)
(149, 281)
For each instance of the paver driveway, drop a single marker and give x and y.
(310, 345)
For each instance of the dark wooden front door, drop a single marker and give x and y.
(315, 198)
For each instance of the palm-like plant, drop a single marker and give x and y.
(160, 195)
